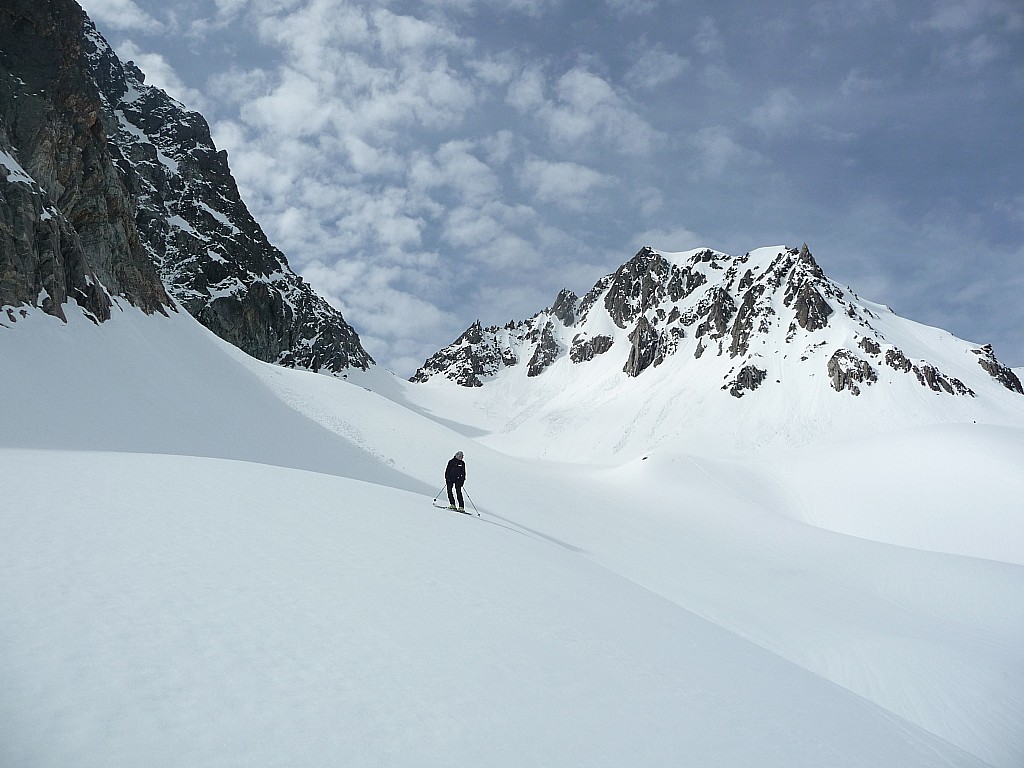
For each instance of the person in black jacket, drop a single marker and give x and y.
(455, 476)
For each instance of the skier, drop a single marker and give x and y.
(455, 476)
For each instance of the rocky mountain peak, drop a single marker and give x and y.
(753, 319)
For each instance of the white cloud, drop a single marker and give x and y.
(668, 240)
(654, 66)
(1014, 208)
(565, 184)
(974, 32)
(650, 201)
(584, 107)
(456, 167)
(777, 114)
(122, 15)
(498, 236)
(632, 7)
(707, 39)
(293, 108)
(532, 8)
(527, 92)
(366, 294)
(405, 34)
(856, 84)
(718, 153)
(971, 55)
(957, 16)
(161, 74)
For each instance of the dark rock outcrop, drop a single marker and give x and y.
(999, 372)
(466, 359)
(213, 256)
(895, 359)
(803, 292)
(636, 285)
(644, 341)
(564, 308)
(546, 351)
(870, 346)
(847, 371)
(749, 378)
(68, 226)
(584, 349)
(931, 377)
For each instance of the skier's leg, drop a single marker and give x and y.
(458, 490)
(451, 498)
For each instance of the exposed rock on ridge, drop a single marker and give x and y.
(66, 224)
(112, 190)
(213, 256)
(750, 312)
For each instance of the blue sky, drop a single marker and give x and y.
(424, 164)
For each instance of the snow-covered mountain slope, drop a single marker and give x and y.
(213, 256)
(205, 559)
(360, 629)
(158, 385)
(720, 353)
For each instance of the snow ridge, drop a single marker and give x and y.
(704, 304)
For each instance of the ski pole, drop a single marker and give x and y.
(471, 502)
(439, 493)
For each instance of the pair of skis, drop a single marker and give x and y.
(455, 509)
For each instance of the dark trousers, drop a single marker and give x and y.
(458, 489)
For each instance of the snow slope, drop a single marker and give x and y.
(205, 560)
(715, 354)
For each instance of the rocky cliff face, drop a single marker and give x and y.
(762, 317)
(66, 224)
(113, 189)
(214, 258)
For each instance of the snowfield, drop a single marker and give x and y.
(206, 560)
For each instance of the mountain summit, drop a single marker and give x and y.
(767, 328)
(744, 310)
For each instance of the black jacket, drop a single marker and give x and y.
(455, 472)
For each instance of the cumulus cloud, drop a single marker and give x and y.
(371, 297)
(122, 15)
(418, 162)
(654, 66)
(777, 114)
(565, 184)
(498, 235)
(973, 34)
(959, 16)
(669, 239)
(719, 153)
(632, 7)
(161, 74)
(707, 39)
(456, 167)
(581, 106)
